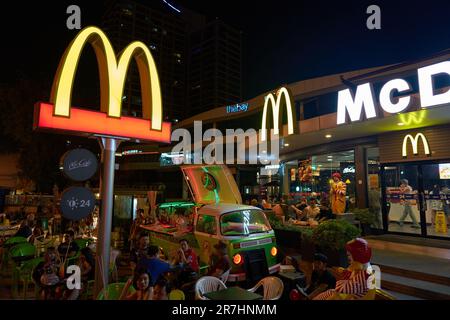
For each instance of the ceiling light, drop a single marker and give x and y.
(328, 136)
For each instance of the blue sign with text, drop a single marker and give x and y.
(239, 107)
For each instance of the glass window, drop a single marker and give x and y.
(313, 176)
(244, 223)
(206, 224)
(373, 186)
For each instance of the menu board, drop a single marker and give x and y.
(444, 170)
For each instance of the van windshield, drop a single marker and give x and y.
(244, 223)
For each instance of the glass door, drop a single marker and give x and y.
(403, 199)
(436, 187)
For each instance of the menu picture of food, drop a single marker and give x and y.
(444, 170)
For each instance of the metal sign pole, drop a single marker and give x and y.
(109, 146)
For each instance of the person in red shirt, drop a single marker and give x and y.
(187, 256)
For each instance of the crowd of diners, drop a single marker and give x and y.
(310, 211)
(153, 276)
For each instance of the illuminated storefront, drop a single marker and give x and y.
(375, 128)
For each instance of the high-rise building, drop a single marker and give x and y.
(214, 68)
(199, 62)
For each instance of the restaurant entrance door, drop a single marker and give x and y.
(416, 198)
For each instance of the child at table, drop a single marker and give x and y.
(141, 282)
(160, 290)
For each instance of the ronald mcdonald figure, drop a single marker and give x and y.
(358, 279)
(337, 194)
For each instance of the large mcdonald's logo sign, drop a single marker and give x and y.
(415, 142)
(59, 115)
(277, 112)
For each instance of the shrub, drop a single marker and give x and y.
(334, 234)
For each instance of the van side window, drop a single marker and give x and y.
(206, 224)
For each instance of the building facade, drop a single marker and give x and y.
(198, 59)
(384, 130)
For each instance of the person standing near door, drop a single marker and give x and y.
(435, 204)
(405, 190)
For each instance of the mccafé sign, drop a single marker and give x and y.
(363, 98)
(61, 116)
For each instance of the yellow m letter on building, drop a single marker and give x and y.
(415, 144)
(277, 112)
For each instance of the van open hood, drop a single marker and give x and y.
(211, 184)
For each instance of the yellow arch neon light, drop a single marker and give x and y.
(414, 142)
(275, 103)
(112, 76)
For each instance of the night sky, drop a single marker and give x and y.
(283, 41)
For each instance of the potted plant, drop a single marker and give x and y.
(330, 238)
(366, 219)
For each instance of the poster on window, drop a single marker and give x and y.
(444, 170)
(293, 174)
(305, 173)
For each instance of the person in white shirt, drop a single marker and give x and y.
(406, 190)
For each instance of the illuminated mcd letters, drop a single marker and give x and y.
(363, 98)
(415, 144)
(275, 103)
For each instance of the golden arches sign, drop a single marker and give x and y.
(112, 73)
(415, 142)
(275, 103)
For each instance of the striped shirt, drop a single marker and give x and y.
(354, 283)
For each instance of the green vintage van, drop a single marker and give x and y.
(217, 214)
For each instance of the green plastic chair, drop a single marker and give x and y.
(24, 274)
(113, 291)
(82, 243)
(22, 252)
(176, 294)
(13, 241)
(7, 245)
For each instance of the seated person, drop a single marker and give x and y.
(25, 230)
(255, 203)
(299, 209)
(266, 205)
(321, 278)
(187, 256)
(142, 283)
(68, 248)
(161, 290)
(87, 265)
(140, 249)
(220, 262)
(278, 210)
(46, 274)
(154, 266)
(312, 211)
(325, 211)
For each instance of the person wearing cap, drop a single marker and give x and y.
(220, 262)
(321, 278)
(352, 282)
(337, 194)
(405, 190)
